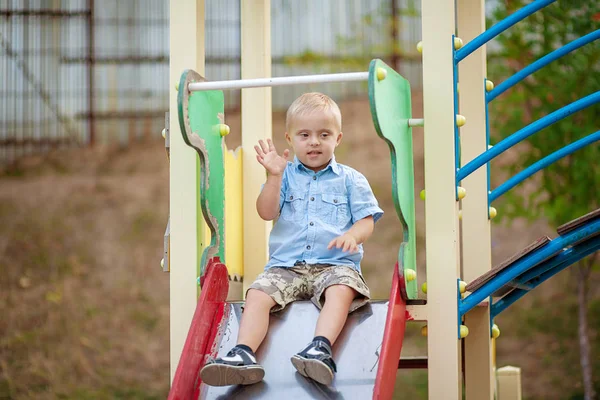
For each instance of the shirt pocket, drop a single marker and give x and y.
(294, 206)
(334, 209)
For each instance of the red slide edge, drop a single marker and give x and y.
(393, 336)
(198, 345)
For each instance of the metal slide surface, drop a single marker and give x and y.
(356, 353)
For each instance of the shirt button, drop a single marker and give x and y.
(291, 197)
(307, 247)
(335, 200)
(312, 199)
(314, 177)
(312, 223)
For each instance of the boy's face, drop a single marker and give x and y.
(314, 137)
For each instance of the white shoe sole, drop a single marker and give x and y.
(314, 369)
(224, 375)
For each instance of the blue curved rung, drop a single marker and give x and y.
(525, 132)
(543, 163)
(512, 272)
(546, 270)
(542, 62)
(500, 27)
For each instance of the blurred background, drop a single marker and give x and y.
(84, 304)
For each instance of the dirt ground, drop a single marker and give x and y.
(85, 305)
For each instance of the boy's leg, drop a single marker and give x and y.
(239, 366)
(338, 299)
(255, 319)
(337, 291)
(265, 295)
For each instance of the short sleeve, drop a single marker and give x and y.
(362, 200)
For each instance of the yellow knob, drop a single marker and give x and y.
(462, 285)
(424, 287)
(410, 274)
(495, 331)
(420, 47)
(224, 130)
(164, 133)
(493, 212)
(424, 330)
(177, 86)
(162, 263)
(458, 43)
(381, 73)
(422, 194)
(462, 192)
(489, 85)
(464, 331)
(460, 120)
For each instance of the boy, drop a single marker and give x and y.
(326, 211)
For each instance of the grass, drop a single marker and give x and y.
(142, 221)
(411, 385)
(83, 317)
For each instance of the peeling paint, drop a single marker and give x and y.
(199, 111)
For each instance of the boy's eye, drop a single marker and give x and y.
(324, 134)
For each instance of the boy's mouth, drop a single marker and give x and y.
(313, 153)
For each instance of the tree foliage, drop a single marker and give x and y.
(570, 187)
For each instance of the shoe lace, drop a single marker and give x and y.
(235, 351)
(322, 346)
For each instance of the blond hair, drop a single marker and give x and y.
(311, 102)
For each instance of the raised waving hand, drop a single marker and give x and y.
(267, 156)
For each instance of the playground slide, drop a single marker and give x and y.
(356, 353)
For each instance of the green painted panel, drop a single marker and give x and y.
(200, 117)
(391, 108)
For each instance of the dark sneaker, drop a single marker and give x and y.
(316, 362)
(238, 367)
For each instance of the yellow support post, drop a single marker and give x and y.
(234, 234)
(509, 383)
(256, 124)
(476, 239)
(442, 251)
(186, 32)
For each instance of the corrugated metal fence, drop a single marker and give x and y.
(80, 72)
(38, 92)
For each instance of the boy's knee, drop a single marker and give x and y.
(257, 298)
(340, 292)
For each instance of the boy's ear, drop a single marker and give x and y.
(288, 138)
(339, 138)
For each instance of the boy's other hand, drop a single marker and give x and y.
(267, 156)
(346, 242)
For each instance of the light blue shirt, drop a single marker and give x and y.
(315, 208)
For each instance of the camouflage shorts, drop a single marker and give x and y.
(286, 285)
